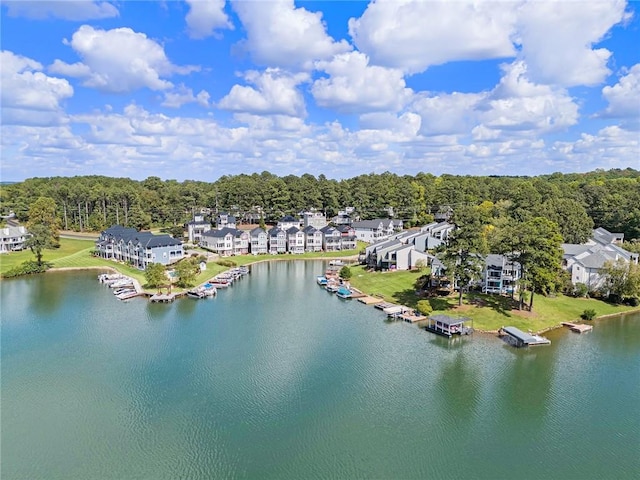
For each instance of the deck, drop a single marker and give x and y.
(369, 300)
(578, 327)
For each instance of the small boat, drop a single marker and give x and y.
(332, 287)
(196, 293)
(322, 280)
(343, 292)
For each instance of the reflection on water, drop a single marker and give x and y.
(276, 378)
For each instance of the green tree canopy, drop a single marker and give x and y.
(187, 270)
(155, 275)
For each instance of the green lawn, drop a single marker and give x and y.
(67, 248)
(395, 287)
(489, 312)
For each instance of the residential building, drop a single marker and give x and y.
(376, 230)
(500, 275)
(277, 240)
(225, 220)
(395, 255)
(12, 238)
(288, 221)
(314, 219)
(258, 241)
(584, 262)
(295, 240)
(138, 248)
(312, 239)
(346, 217)
(220, 241)
(196, 228)
(348, 239)
(331, 239)
(241, 241)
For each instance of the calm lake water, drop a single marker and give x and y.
(276, 378)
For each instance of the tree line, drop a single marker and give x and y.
(575, 202)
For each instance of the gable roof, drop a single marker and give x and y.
(221, 233)
(257, 231)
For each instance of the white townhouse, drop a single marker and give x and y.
(196, 227)
(500, 275)
(584, 262)
(295, 240)
(376, 230)
(331, 239)
(258, 241)
(226, 241)
(288, 221)
(12, 238)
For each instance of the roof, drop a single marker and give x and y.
(151, 241)
(310, 229)
(293, 230)
(223, 232)
(289, 218)
(447, 320)
(372, 224)
(275, 231)
(605, 237)
(257, 231)
(519, 334)
(198, 222)
(344, 228)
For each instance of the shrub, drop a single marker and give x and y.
(581, 290)
(345, 273)
(588, 314)
(424, 307)
(226, 263)
(633, 301)
(27, 268)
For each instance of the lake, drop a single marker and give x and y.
(276, 378)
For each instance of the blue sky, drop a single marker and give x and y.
(200, 89)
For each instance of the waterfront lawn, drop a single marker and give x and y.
(248, 259)
(67, 247)
(488, 312)
(396, 287)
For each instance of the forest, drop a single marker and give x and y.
(576, 202)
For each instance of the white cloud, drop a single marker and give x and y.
(119, 60)
(624, 98)
(557, 40)
(447, 114)
(356, 86)
(183, 95)
(281, 35)
(28, 96)
(275, 93)
(413, 35)
(517, 104)
(75, 10)
(205, 17)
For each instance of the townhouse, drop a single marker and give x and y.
(376, 230)
(138, 248)
(196, 227)
(226, 241)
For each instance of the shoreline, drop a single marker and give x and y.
(144, 292)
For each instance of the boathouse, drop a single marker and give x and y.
(518, 338)
(447, 326)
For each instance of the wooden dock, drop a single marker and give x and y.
(369, 300)
(163, 297)
(411, 318)
(578, 327)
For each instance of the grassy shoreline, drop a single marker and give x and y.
(488, 312)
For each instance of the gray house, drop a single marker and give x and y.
(312, 239)
(331, 239)
(258, 241)
(12, 238)
(500, 275)
(277, 240)
(376, 230)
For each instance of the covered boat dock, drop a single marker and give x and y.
(447, 326)
(518, 338)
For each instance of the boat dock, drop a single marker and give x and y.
(518, 338)
(369, 300)
(411, 317)
(447, 326)
(578, 327)
(163, 297)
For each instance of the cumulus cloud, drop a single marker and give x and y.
(517, 104)
(355, 86)
(624, 98)
(447, 114)
(275, 92)
(74, 10)
(205, 17)
(28, 96)
(118, 60)
(557, 40)
(183, 95)
(281, 35)
(413, 35)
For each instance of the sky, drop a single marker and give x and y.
(198, 89)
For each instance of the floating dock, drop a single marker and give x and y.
(411, 317)
(578, 327)
(518, 338)
(369, 300)
(447, 326)
(163, 297)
